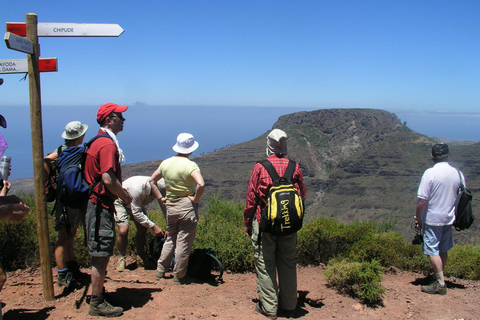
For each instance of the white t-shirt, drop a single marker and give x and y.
(439, 186)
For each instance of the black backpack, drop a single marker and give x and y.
(202, 262)
(463, 208)
(283, 213)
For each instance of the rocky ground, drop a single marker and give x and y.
(143, 297)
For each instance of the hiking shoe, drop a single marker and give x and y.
(101, 308)
(435, 288)
(184, 280)
(286, 313)
(259, 309)
(140, 262)
(122, 263)
(160, 275)
(66, 279)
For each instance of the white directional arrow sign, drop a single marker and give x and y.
(52, 29)
(18, 43)
(21, 65)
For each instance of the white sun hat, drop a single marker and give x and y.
(74, 130)
(185, 144)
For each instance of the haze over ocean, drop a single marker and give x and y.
(151, 131)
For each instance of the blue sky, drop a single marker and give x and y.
(392, 55)
(418, 59)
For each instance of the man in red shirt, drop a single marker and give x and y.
(272, 253)
(103, 173)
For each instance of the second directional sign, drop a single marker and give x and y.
(21, 65)
(18, 43)
(68, 29)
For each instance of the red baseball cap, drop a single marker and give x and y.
(108, 108)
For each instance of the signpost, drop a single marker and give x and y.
(31, 29)
(21, 65)
(18, 43)
(68, 29)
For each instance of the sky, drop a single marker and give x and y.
(418, 59)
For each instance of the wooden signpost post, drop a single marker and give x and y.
(15, 41)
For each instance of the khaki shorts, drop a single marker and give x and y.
(122, 213)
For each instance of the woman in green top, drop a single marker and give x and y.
(184, 186)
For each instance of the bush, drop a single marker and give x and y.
(323, 239)
(221, 228)
(358, 279)
(19, 240)
(464, 262)
(386, 248)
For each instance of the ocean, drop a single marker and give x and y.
(150, 132)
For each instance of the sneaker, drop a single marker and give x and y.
(435, 288)
(259, 309)
(101, 308)
(184, 280)
(122, 263)
(140, 262)
(160, 275)
(66, 279)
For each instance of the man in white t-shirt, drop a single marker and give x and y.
(435, 213)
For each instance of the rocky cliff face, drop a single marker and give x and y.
(358, 164)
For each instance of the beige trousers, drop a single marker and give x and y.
(182, 218)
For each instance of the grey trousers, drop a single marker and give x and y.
(272, 255)
(182, 218)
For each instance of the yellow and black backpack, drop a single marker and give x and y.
(283, 212)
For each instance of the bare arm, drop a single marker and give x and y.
(115, 186)
(421, 206)
(157, 175)
(46, 162)
(200, 186)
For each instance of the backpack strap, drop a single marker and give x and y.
(288, 175)
(87, 144)
(290, 171)
(462, 186)
(271, 170)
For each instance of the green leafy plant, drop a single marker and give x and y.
(221, 228)
(358, 279)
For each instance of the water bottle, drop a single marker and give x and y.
(5, 167)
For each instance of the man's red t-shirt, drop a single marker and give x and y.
(102, 155)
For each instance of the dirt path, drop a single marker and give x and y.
(143, 297)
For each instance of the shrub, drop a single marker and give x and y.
(19, 240)
(221, 228)
(464, 262)
(358, 279)
(323, 239)
(386, 248)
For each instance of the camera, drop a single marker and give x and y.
(418, 239)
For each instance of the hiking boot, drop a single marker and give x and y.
(286, 313)
(184, 280)
(435, 288)
(160, 275)
(66, 279)
(122, 263)
(74, 268)
(259, 309)
(101, 308)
